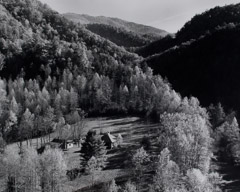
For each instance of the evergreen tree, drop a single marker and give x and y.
(93, 146)
(226, 138)
(217, 115)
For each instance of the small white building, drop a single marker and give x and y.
(63, 144)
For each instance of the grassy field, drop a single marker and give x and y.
(132, 129)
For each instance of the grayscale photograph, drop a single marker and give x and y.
(119, 96)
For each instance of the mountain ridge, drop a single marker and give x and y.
(205, 63)
(116, 22)
(199, 25)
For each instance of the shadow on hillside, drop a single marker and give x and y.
(98, 187)
(119, 157)
(126, 122)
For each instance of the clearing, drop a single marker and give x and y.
(132, 129)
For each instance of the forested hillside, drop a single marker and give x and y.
(43, 36)
(48, 53)
(119, 36)
(199, 25)
(207, 67)
(202, 59)
(118, 23)
(54, 73)
(123, 33)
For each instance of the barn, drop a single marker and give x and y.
(110, 140)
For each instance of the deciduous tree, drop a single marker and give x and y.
(52, 170)
(187, 138)
(139, 161)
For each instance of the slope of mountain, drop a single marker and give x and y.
(32, 35)
(119, 36)
(119, 23)
(209, 21)
(156, 46)
(132, 32)
(199, 25)
(207, 67)
(42, 51)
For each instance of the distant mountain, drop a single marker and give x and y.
(121, 32)
(203, 58)
(119, 36)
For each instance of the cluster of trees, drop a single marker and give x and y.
(31, 172)
(34, 38)
(225, 131)
(183, 160)
(28, 111)
(169, 177)
(185, 157)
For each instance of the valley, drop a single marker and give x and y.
(100, 104)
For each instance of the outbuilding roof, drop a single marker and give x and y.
(108, 138)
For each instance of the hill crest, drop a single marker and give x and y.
(116, 22)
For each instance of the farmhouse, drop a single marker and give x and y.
(63, 144)
(110, 140)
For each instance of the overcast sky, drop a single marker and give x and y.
(169, 15)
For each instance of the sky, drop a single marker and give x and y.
(169, 15)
